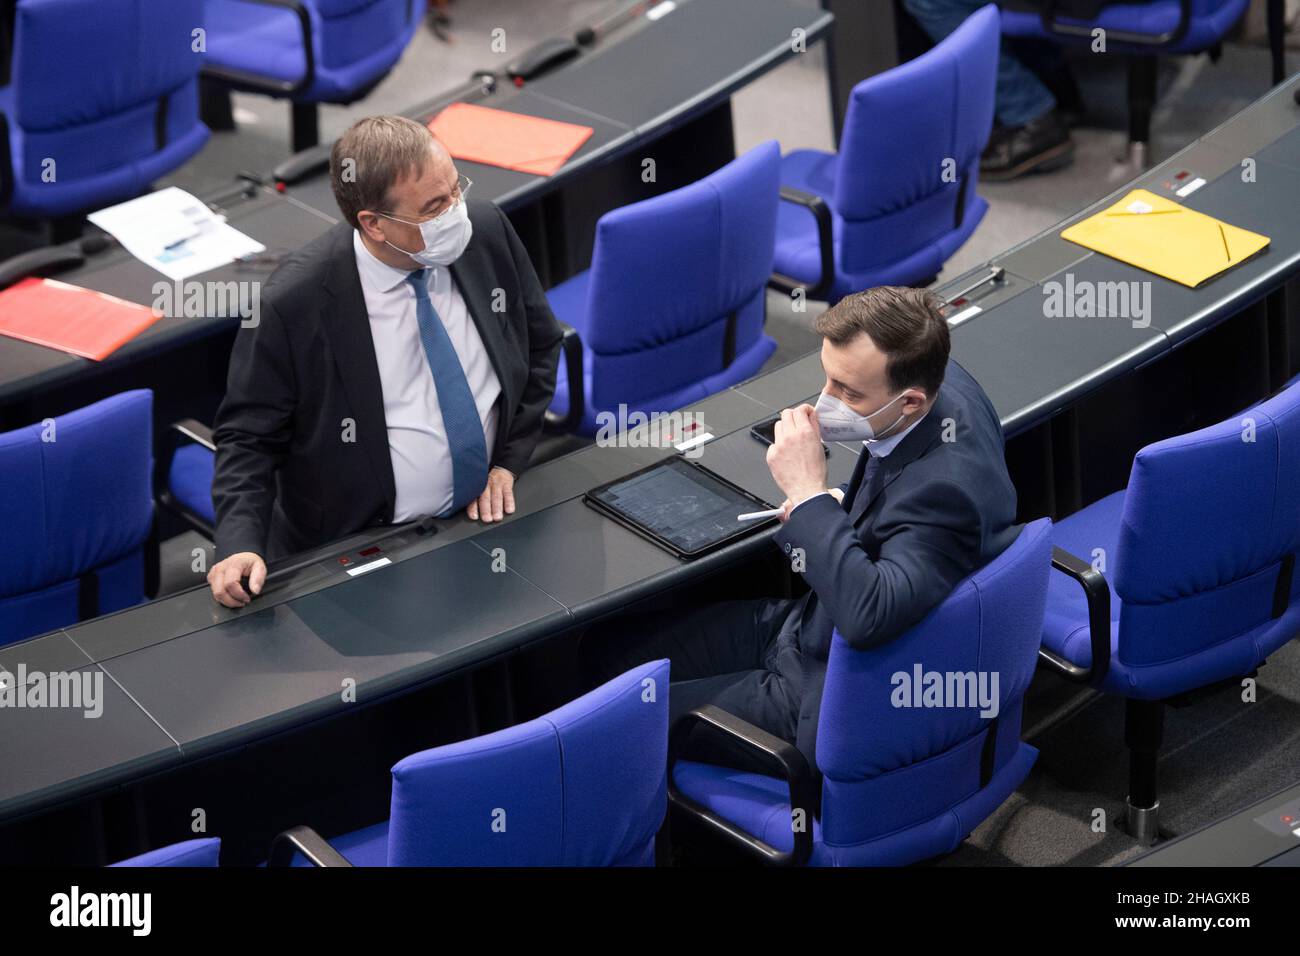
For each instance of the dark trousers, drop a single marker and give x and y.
(732, 655)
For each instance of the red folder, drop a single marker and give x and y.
(70, 318)
(528, 144)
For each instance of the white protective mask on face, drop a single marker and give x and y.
(841, 423)
(444, 240)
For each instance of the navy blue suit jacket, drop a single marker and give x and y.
(940, 506)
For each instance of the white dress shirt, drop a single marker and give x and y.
(417, 440)
(877, 449)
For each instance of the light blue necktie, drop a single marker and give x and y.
(459, 413)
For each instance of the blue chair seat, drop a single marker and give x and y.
(1211, 19)
(190, 480)
(365, 847)
(256, 39)
(354, 44)
(201, 852)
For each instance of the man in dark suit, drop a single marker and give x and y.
(401, 366)
(930, 502)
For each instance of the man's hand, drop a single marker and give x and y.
(787, 506)
(796, 459)
(498, 496)
(224, 578)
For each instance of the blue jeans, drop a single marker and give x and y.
(1021, 95)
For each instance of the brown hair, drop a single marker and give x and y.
(370, 157)
(904, 323)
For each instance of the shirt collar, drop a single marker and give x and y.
(881, 448)
(375, 274)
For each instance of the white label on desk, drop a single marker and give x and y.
(660, 10)
(1139, 207)
(967, 313)
(368, 567)
(1190, 188)
(692, 442)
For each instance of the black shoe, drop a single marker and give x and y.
(1040, 145)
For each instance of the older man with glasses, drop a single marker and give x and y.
(401, 366)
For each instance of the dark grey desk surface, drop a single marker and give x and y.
(278, 222)
(206, 678)
(643, 81)
(639, 84)
(1239, 839)
(1032, 366)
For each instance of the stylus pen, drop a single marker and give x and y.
(756, 515)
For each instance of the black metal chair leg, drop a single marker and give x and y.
(1141, 103)
(1143, 733)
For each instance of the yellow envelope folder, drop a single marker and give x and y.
(1160, 236)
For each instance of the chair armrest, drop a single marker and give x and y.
(1097, 593)
(825, 243)
(196, 432)
(309, 843)
(185, 430)
(49, 259)
(571, 346)
(309, 56)
(1052, 25)
(772, 749)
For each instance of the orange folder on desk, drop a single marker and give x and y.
(70, 318)
(528, 144)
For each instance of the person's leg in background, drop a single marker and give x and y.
(1029, 134)
(721, 655)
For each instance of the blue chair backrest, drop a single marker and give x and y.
(347, 32)
(1208, 518)
(667, 272)
(75, 497)
(911, 143)
(888, 766)
(92, 79)
(202, 852)
(584, 785)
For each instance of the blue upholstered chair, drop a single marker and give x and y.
(673, 306)
(309, 51)
(899, 197)
(1141, 32)
(1184, 579)
(77, 506)
(202, 852)
(900, 783)
(581, 786)
(107, 141)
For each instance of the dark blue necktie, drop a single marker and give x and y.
(861, 496)
(459, 413)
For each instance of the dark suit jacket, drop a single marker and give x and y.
(286, 477)
(940, 506)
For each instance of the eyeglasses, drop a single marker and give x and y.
(463, 183)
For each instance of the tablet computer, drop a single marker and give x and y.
(679, 505)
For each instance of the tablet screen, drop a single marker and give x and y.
(686, 506)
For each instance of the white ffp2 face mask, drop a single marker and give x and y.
(444, 240)
(841, 423)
